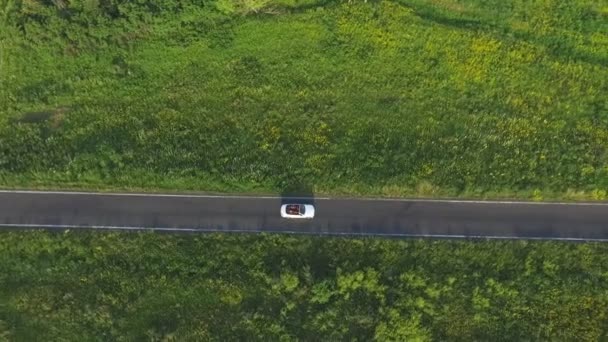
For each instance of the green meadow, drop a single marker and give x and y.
(88, 286)
(476, 98)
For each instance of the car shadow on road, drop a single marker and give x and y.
(297, 192)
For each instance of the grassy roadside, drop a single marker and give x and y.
(200, 186)
(410, 98)
(162, 287)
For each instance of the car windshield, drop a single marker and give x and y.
(302, 209)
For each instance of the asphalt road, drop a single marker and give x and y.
(428, 218)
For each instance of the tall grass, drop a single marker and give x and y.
(167, 287)
(468, 98)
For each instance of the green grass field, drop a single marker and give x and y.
(475, 98)
(86, 286)
(492, 98)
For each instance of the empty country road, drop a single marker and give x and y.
(381, 217)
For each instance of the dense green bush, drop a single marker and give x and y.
(394, 98)
(110, 286)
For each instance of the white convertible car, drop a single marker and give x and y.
(297, 211)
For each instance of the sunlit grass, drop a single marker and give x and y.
(407, 98)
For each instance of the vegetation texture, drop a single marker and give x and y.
(428, 97)
(148, 287)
